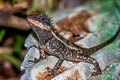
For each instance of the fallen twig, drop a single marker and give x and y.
(5, 50)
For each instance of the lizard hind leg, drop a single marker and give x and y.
(96, 66)
(90, 60)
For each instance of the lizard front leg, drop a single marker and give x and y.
(37, 59)
(41, 51)
(57, 66)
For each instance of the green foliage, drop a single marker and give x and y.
(18, 46)
(113, 46)
(103, 5)
(37, 9)
(111, 73)
(13, 1)
(12, 59)
(2, 34)
(1, 0)
(109, 76)
(109, 24)
(117, 9)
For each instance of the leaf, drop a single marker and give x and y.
(13, 1)
(2, 33)
(18, 47)
(12, 59)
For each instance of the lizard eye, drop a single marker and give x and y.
(43, 19)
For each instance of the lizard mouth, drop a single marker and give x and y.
(37, 23)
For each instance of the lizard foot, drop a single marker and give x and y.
(51, 72)
(97, 72)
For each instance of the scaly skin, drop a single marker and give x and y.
(54, 44)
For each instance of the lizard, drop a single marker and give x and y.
(52, 43)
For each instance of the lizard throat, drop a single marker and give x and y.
(38, 24)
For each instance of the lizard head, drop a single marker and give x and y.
(39, 20)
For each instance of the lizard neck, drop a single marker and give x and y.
(42, 35)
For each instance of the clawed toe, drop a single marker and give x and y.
(96, 73)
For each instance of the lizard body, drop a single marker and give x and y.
(54, 44)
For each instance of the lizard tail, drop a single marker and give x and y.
(94, 49)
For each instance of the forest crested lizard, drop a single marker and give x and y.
(52, 43)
